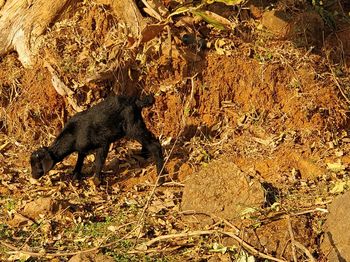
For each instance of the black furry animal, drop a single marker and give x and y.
(95, 129)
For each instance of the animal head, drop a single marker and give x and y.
(41, 162)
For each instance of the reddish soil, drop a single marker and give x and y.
(272, 109)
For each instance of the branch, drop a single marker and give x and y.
(248, 247)
(292, 240)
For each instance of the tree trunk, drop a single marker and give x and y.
(22, 22)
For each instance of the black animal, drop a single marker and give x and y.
(95, 129)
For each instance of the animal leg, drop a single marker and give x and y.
(78, 166)
(151, 145)
(101, 155)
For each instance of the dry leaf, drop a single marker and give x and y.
(336, 167)
(19, 220)
(339, 187)
(18, 256)
(151, 31)
(141, 247)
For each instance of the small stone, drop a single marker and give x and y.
(39, 208)
(277, 22)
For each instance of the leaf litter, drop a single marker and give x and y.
(272, 132)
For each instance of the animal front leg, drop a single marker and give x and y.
(155, 149)
(151, 146)
(101, 155)
(78, 166)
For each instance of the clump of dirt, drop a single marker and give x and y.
(32, 107)
(39, 208)
(338, 46)
(39, 107)
(274, 236)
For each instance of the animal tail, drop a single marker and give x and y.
(145, 101)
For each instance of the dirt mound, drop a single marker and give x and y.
(289, 98)
(42, 207)
(32, 106)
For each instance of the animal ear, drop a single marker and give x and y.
(47, 162)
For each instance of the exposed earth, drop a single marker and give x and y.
(264, 104)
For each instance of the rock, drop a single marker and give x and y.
(274, 237)
(40, 207)
(304, 29)
(277, 22)
(18, 220)
(221, 189)
(336, 242)
(91, 257)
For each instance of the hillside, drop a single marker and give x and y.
(251, 109)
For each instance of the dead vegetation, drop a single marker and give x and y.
(227, 87)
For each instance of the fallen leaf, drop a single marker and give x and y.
(141, 247)
(213, 19)
(339, 187)
(219, 43)
(216, 20)
(113, 229)
(18, 256)
(156, 206)
(336, 167)
(218, 248)
(245, 257)
(246, 212)
(151, 31)
(227, 2)
(19, 220)
(3, 146)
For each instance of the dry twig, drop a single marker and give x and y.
(292, 240)
(305, 250)
(154, 190)
(248, 247)
(335, 79)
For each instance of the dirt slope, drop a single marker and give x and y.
(274, 106)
